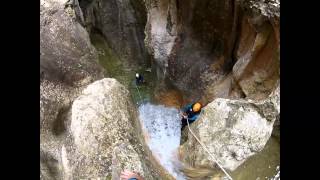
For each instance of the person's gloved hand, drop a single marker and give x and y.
(126, 175)
(184, 115)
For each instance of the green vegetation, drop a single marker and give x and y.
(123, 72)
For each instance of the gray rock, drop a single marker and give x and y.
(226, 88)
(270, 8)
(68, 62)
(122, 24)
(186, 40)
(257, 68)
(161, 31)
(66, 52)
(232, 130)
(103, 131)
(276, 128)
(195, 44)
(100, 140)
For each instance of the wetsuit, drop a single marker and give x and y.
(139, 80)
(192, 116)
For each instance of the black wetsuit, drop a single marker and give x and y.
(139, 80)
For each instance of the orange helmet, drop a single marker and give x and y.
(196, 107)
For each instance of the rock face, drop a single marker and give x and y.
(207, 49)
(68, 62)
(103, 131)
(66, 54)
(257, 69)
(206, 46)
(232, 130)
(122, 24)
(79, 142)
(183, 38)
(161, 31)
(100, 137)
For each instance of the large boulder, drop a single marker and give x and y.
(232, 130)
(101, 138)
(68, 62)
(104, 134)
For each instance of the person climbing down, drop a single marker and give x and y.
(190, 113)
(139, 79)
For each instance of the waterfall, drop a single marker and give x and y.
(162, 131)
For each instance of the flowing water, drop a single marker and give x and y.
(161, 125)
(162, 131)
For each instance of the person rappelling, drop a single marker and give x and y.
(139, 79)
(190, 113)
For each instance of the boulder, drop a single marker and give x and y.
(68, 62)
(232, 130)
(104, 135)
(101, 139)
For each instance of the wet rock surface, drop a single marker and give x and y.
(184, 41)
(68, 62)
(200, 45)
(223, 53)
(122, 23)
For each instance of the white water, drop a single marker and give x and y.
(162, 131)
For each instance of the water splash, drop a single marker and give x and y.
(162, 130)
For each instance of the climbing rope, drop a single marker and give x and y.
(204, 147)
(139, 93)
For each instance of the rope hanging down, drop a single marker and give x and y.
(139, 93)
(204, 147)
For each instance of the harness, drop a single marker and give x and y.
(191, 113)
